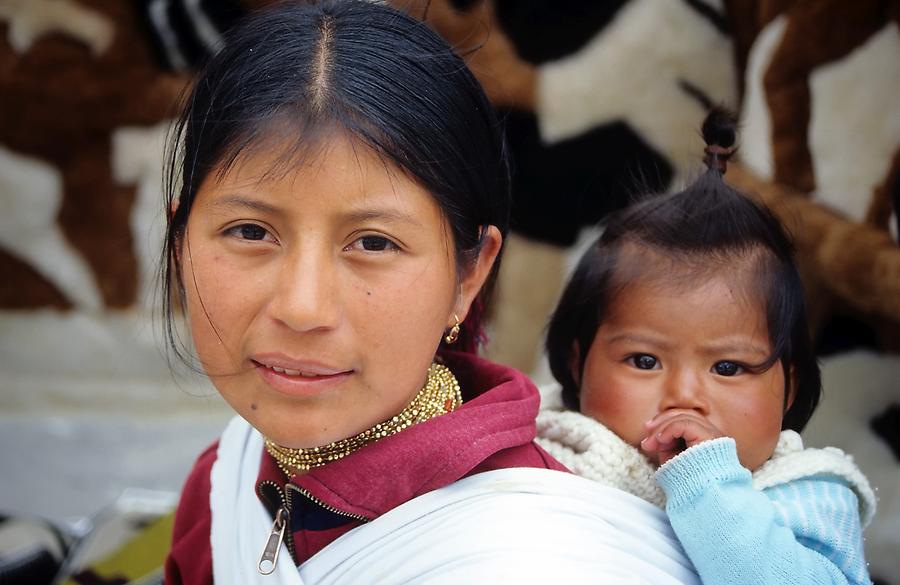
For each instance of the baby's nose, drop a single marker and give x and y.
(685, 389)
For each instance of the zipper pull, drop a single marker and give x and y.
(269, 557)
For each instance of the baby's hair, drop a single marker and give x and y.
(292, 76)
(704, 230)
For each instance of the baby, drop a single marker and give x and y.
(682, 340)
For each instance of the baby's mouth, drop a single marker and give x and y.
(680, 444)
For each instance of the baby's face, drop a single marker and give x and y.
(683, 354)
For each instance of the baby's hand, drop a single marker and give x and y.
(673, 431)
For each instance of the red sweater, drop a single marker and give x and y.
(493, 429)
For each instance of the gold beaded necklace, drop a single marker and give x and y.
(440, 395)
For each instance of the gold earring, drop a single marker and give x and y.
(453, 334)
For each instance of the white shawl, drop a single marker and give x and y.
(504, 526)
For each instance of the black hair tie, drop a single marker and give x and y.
(716, 157)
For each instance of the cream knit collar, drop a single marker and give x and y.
(592, 451)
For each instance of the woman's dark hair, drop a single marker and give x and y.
(705, 228)
(299, 72)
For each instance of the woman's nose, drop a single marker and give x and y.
(685, 388)
(306, 296)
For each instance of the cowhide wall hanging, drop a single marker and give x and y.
(84, 109)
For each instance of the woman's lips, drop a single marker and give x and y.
(302, 373)
(299, 379)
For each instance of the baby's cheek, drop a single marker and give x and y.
(757, 446)
(752, 454)
(619, 414)
(595, 404)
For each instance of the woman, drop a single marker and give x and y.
(343, 202)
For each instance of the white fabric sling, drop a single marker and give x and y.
(505, 526)
(240, 523)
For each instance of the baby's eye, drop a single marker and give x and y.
(373, 244)
(643, 361)
(726, 368)
(249, 231)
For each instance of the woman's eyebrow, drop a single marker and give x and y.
(246, 203)
(382, 214)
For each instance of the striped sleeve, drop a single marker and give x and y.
(823, 514)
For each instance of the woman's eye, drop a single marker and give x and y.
(248, 231)
(643, 361)
(726, 368)
(374, 244)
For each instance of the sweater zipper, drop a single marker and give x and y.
(291, 487)
(279, 533)
(269, 558)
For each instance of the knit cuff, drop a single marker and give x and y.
(691, 472)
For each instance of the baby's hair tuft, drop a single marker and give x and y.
(720, 133)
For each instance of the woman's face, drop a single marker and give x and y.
(318, 297)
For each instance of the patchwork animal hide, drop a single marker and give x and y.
(72, 74)
(820, 121)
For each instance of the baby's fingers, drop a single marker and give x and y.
(668, 416)
(650, 444)
(659, 450)
(688, 431)
(670, 451)
(670, 435)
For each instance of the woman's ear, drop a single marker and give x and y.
(475, 276)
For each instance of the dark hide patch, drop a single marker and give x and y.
(715, 18)
(844, 333)
(41, 293)
(544, 30)
(559, 189)
(817, 33)
(174, 22)
(99, 226)
(746, 20)
(463, 5)
(887, 426)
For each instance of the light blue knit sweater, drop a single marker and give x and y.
(804, 531)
